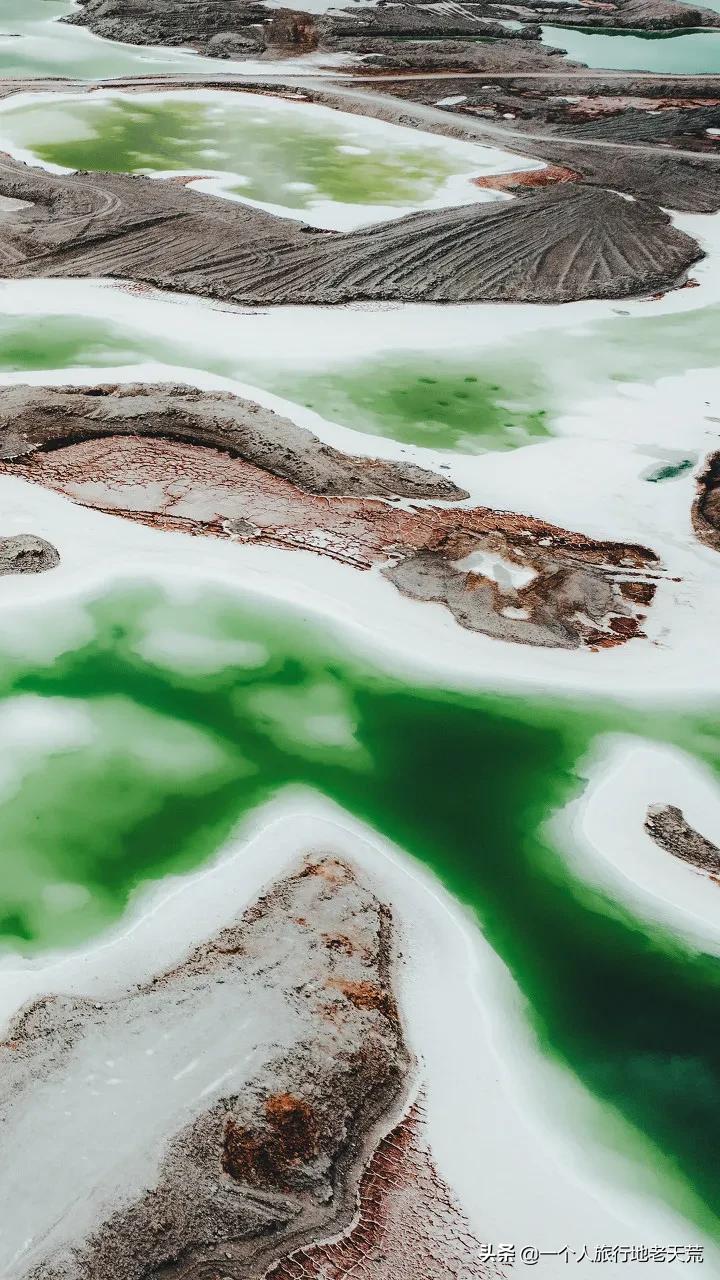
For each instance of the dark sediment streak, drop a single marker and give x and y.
(667, 826)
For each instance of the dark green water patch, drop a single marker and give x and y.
(670, 471)
(463, 783)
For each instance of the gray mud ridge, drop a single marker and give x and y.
(559, 244)
(27, 553)
(667, 826)
(33, 418)
(689, 184)
(221, 1114)
(231, 28)
(706, 507)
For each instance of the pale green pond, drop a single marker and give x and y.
(268, 150)
(160, 723)
(490, 397)
(691, 52)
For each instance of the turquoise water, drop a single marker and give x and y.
(693, 52)
(33, 43)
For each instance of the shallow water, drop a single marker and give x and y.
(219, 705)
(477, 399)
(34, 43)
(692, 52)
(267, 150)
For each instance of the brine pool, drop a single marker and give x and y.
(472, 399)
(677, 51)
(139, 727)
(283, 154)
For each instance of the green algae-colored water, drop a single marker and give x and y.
(219, 706)
(489, 397)
(268, 150)
(691, 52)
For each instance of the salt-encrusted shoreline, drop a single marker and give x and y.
(490, 1091)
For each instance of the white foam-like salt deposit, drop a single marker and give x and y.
(602, 834)
(32, 728)
(534, 1159)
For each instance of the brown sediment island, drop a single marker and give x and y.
(668, 827)
(239, 1178)
(556, 244)
(177, 458)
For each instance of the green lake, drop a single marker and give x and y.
(218, 705)
(267, 150)
(489, 397)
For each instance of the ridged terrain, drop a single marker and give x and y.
(52, 417)
(553, 245)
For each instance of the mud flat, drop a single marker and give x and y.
(667, 826)
(34, 419)
(26, 553)
(706, 507)
(225, 30)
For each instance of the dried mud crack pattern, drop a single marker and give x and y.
(506, 575)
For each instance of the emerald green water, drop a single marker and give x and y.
(281, 153)
(464, 783)
(692, 52)
(490, 397)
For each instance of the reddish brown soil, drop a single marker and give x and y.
(546, 177)
(580, 591)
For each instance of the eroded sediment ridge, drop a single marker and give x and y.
(143, 452)
(282, 1057)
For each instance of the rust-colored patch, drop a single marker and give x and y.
(364, 995)
(266, 1155)
(547, 177)
(575, 593)
(295, 1124)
